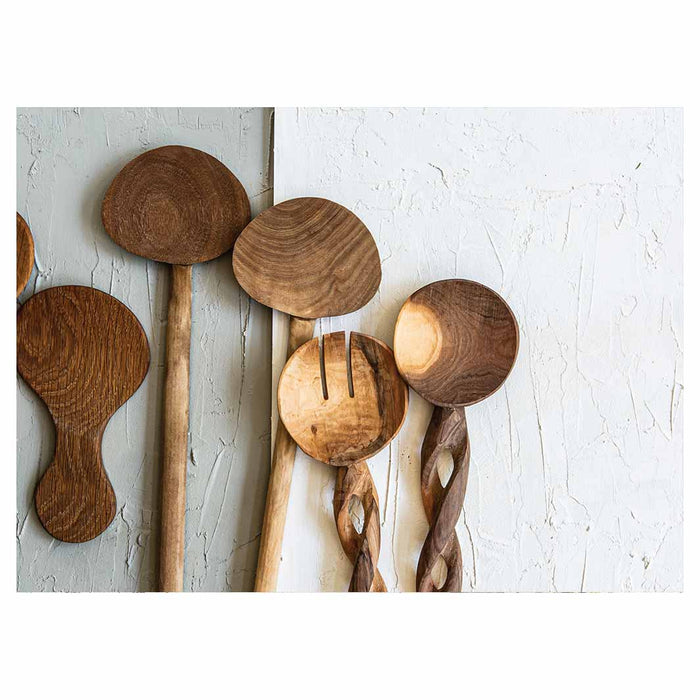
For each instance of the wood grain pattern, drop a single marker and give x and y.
(176, 411)
(280, 482)
(342, 411)
(181, 206)
(455, 342)
(361, 548)
(25, 254)
(443, 504)
(308, 257)
(342, 429)
(84, 353)
(177, 205)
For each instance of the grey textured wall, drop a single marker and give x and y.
(65, 162)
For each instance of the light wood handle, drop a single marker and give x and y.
(300, 331)
(175, 427)
(361, 548)
(443, 504)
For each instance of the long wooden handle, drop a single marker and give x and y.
(300, 330)
(175, 428)
(362, 548)
(442, 504)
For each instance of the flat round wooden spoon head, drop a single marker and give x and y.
(177, 205)
(308, 257)
(455, 342)
(25, 254)
(84, 353)
(356, 420)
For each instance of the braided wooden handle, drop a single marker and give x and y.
(447, 431)
(362, 548)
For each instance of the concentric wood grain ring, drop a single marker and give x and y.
(308, 257)
(177, 205)
(455, 342)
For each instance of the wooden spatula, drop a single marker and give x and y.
(455, 342)
(309, 258)
(341, 410)
(180, 206)
(84, 353)
(25, 254)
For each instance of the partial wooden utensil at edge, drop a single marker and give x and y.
(341, 410)
(309, 258)
(180, 206)
(455, 343)
(25, 254)
(84, 353)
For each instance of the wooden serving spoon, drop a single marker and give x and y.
(84, 353)
(455, 342)
(342, 410)
(309, 258)
(180, 206)
(25, 254)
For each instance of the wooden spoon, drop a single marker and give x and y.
(180, 206)
(84, 353)
(342, 411)
(309, 258)
(455, 342)
(25, 254)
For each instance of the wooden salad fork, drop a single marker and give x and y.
(341, 408)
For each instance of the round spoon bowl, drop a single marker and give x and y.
(308, 257)
(346, 423)
(455, 342)
(176, 205)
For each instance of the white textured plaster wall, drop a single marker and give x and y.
(575, 216)
(65, 162)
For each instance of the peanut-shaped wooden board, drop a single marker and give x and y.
(84, 353)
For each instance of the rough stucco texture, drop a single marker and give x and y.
(575, 217)
(65, 162)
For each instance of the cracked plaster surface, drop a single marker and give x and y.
(575, 217)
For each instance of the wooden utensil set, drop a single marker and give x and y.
(84, 353)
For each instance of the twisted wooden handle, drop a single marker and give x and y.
(447, 431)
(362, 548)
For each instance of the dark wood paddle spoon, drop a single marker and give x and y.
(84, 353)
(25, 254)
(342, 410)
(309, 258)
(455, 343)
(180, 206)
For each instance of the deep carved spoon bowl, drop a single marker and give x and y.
(455, 343)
